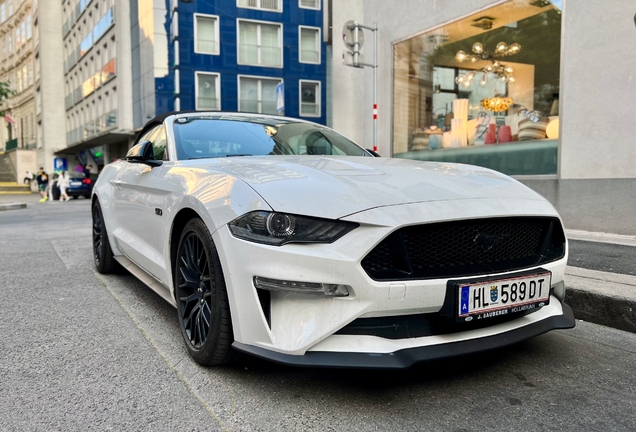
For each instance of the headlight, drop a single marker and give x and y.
(280, 228)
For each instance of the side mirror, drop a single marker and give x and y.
(373, 152)
(143, 153)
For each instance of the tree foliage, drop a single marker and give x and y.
(5, 93)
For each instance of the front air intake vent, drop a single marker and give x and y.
(466, 248)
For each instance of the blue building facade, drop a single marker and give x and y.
(231, 54)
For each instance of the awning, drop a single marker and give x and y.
(107, 138)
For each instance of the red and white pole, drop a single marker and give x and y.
(375, 119)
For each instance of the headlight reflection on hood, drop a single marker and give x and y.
(279, 228)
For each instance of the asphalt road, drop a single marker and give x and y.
(83, 351)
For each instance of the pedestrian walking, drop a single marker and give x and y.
(43, 181)
(63, 182)
(87, 171)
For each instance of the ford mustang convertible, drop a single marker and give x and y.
(282, 239)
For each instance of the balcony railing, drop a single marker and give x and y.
(107, 72)
(11, 144)
(100, 28)
(101, 124)
(17, 143)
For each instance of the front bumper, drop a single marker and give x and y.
(407, 357)
(297, 325)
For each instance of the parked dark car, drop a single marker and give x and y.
(78, 186)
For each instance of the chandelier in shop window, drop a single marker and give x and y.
(503, 72)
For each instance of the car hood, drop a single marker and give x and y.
(337, 186)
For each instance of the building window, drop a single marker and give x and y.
(482, 80)
(310, 98)
(206, 34)
(10, 7)
(269, 5)
(28, 27)
(3, 13)
(207, 91)
(309, 4)
(258, 95)
(260, 44)
(309, 43)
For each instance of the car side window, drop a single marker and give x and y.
(157, 136)
(159, 144)
(148, 135)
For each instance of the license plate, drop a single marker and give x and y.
(76, 183)
(499, 297)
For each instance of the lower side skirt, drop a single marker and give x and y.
(406, 358)
(148, 280)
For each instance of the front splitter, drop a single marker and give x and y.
(406, 358)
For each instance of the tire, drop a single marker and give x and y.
(102, 253)
(203, 309)
(74, 196)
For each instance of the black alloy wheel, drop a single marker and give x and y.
(202, 303)
(102, 254)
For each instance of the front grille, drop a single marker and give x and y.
(466, 248)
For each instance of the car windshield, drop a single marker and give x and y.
(210, 137)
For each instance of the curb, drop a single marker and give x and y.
(607, 299)
(600, 237)
(12, 206)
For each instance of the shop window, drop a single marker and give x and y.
(309, 43)
(310, 98)
(482, 90)
(259, 44)
(206, 34)
(208, 91)
(257, 95)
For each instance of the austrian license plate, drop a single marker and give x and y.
(497, 297)
(76, 183)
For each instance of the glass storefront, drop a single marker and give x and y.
(482, 90)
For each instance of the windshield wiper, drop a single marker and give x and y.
(244, 154)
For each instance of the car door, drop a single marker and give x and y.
(139, 202)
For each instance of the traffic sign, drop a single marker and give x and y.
(280, 97)
(59, 164)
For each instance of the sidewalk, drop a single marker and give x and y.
(16, 201)
(602, 297)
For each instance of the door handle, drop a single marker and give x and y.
(116, 183)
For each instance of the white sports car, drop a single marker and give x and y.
(282, 239)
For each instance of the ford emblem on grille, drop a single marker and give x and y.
(489, 241)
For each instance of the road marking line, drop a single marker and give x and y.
(168, 362)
